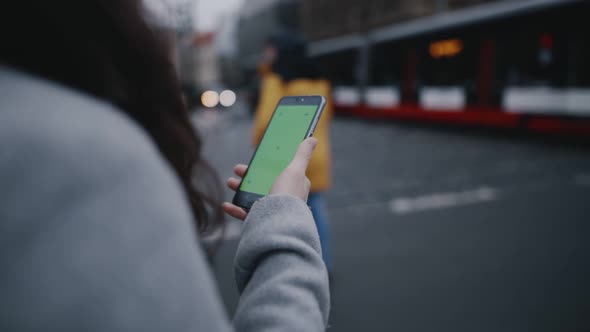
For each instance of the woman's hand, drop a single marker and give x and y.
(292, 181)
(233, 184)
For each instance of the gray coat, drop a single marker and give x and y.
(96, 233)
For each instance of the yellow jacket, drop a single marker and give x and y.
(271, 90)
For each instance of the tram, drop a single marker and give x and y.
(506, 64)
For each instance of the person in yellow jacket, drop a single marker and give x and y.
(292, 74)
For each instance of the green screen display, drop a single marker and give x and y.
(285, 131)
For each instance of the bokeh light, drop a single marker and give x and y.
(227, 98)
(210, 99)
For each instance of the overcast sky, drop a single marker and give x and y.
(208, 12)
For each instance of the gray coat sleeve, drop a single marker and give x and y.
(279, 269)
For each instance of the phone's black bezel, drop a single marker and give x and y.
(245, 199)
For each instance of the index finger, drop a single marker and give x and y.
(303, 154)
(240, 170)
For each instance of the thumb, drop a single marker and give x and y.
(303, 155)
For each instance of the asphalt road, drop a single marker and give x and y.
(443, 230)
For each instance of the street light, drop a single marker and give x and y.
(227, 98)
(210, 99)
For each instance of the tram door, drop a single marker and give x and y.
(341, 69)
(384, 90)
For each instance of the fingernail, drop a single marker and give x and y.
(313, 141)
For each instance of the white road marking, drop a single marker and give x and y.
(406, 205)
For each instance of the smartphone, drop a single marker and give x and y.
(293, 120)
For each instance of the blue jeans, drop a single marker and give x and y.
(318, 209)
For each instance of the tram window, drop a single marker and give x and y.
(386, 65)
(579, 66)
(579, 45)
(456, 68)
(533, 58)
(340, 67)
(450, 62)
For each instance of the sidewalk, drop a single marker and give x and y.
(226, 136)
(209, 121)
(226, 142)
(403, 251)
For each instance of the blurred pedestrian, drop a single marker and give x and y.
(103, 186)
(287, 71)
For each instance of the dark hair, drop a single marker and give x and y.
(106, 49)
(292, 61)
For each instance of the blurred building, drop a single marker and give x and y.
(206, 72)
(326, 19)
(175, 22)
(227, 49)
(330, 18)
